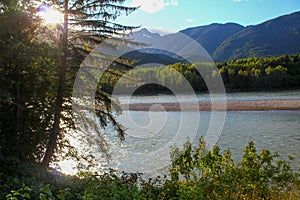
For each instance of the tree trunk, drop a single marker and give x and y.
(63, 45)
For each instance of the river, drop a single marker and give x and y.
(151, 134)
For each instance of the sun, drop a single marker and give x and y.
(50, 15)
(68, 167)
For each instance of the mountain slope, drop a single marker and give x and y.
(154, 59)
(211, 36)
(274, 37)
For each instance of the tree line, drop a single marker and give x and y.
(260, 73)
(248, 74)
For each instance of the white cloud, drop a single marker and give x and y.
(189, 20)
(175, 2)
(172, 3)
(160, 30)
(152, 6)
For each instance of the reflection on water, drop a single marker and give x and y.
(149, 138)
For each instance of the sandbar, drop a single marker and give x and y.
(245, 105)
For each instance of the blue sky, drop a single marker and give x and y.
(175, 15)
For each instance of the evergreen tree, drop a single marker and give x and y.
(38, 65)
(26, 96)
(86, 24)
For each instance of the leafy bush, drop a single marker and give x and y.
(195, 173)
(198, 174)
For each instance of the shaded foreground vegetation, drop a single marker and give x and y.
(195, 173)
(38, 67)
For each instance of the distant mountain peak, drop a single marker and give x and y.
(144, 36)
(144, 30)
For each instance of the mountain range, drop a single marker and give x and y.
(233, 41)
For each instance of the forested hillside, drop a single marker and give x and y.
(272, 38)
(211, 36)
(248, 74)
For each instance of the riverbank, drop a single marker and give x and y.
(247, 105)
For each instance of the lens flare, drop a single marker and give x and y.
(50, 15)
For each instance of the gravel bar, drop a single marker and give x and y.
(253, 105)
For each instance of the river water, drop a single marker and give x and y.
(204, 97)
(151, 134)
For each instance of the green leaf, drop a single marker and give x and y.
(26, 188)
(26, 195)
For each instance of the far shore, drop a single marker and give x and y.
(248, 105)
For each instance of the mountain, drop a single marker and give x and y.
(146, 54)
(143, 58)
(274, 37)
(211, 36)
(144, 36)
(208, 36)
(232, 41)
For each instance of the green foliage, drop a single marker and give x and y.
(111, 186)
(27, 71)
(216, 176)
(171, 76)
(247, 74)
(195, 173)
(259, 73)
(22, 193)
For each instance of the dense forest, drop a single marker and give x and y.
(248, 74)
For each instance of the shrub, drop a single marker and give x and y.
(199, 174)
